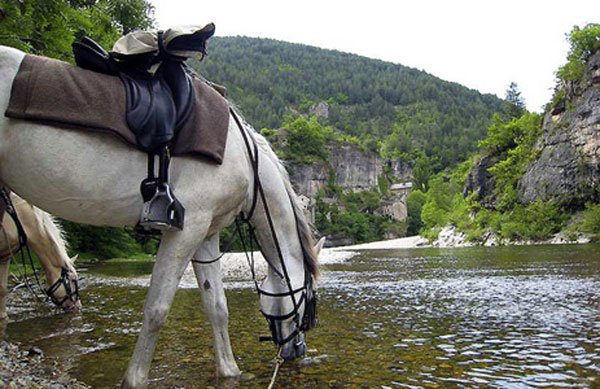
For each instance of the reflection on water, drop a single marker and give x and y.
(500, 317)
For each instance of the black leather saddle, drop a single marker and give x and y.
(158, 103)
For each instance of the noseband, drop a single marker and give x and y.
(72, 294)
(300, 326)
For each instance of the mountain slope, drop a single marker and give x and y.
(380, 103)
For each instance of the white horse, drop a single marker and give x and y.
(94, 178)
(45, 239)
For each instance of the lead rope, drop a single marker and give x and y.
(278, 362)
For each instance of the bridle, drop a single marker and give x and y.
(308, 297)
(72, 294)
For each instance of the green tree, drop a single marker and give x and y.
(584, 42)
(49, 27)
(306, 140)
(414, 204)
(422, 171)
(515, 103)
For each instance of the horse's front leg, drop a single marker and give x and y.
(4, 263)
(174, 253)
(215, 306)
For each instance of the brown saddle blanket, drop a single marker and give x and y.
(57, 93)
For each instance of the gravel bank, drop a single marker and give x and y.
(27, 369)
(234, 266)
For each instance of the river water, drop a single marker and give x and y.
(514, 317)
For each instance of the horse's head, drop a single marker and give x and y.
(290, 309)
(63, 287)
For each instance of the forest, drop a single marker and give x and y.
(391, 109)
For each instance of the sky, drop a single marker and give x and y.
(483, 45)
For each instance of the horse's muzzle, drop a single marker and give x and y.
(295, 348)
(73, 307)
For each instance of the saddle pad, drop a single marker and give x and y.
(57, 93)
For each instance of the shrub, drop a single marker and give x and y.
(591, 219)
(584, 43)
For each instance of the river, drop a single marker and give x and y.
(514, 317)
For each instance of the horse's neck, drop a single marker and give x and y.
(278, 218)
(44, 237)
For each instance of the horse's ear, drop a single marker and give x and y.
(319, 245)
(73, 259)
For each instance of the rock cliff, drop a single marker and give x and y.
(568, 166)
(567, 163)
(352, 168)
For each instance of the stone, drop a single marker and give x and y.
(481, 182)
(321, 110)
(568, 166)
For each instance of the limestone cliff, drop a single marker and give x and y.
(567, 162)
(568, 166)
(352, 169)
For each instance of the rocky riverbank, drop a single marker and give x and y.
(28, 369)
(449, 237)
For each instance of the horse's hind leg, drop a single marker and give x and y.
(215, 306)
(174, 253)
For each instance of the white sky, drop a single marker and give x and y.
(483, 45)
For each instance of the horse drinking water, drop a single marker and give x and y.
(45, 239)
(93, 178)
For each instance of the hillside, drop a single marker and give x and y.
(398, 111)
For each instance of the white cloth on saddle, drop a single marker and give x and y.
(142, 42)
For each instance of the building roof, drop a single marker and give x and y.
(401, 186)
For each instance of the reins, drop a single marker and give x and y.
(258, 188)
(24, 250)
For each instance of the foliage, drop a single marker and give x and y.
(584, 42)
(380, 104)
(50, 27)
(524, 132)
(445, 198)
(105, 242)
(306, 141)
(537, 221)
(515, 103)
(591, 219)
(511, 142)
(353, 218)
(588, 220)
(414, 204)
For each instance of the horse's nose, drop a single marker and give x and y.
(74, 307)
(288, 352)
(296, 348)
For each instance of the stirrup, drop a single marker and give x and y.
(163, 211)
